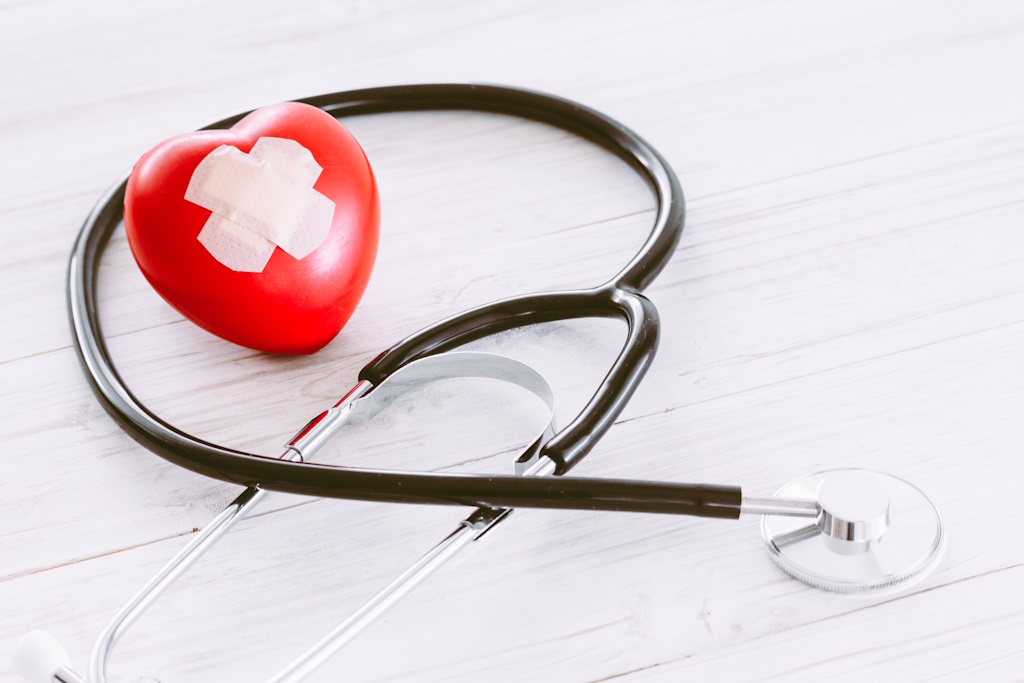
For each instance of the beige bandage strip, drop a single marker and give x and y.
(261, 200)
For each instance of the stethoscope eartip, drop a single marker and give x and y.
(873, 531)
(38, 657)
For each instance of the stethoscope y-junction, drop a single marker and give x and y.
(847, 530)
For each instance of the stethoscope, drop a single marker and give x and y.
(846, 530)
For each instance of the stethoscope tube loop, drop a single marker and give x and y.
(618, 297)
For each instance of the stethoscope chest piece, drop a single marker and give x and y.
(873, 531)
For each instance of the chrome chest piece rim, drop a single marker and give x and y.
(873, 532)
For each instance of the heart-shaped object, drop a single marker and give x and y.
(269, 198)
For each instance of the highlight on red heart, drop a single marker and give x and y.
(264, 234)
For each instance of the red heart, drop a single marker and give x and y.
(291, 306)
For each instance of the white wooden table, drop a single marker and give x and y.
(849, 291)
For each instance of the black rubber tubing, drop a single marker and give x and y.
(618, 297)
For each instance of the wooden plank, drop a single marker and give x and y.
(963, 638)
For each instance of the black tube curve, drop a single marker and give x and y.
(618, 297)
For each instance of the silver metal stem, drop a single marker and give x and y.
(347, 630)
(184, 559)
(66, 675)
(786, 507)
(472, 528)
(305, 443)
(321, 428)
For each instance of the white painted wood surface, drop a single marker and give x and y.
(849, 291)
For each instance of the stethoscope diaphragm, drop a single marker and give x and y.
(873, 531)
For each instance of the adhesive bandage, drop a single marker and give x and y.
(260, 200)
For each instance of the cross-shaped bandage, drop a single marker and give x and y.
(260, 200)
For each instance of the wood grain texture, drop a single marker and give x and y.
(849, 291)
